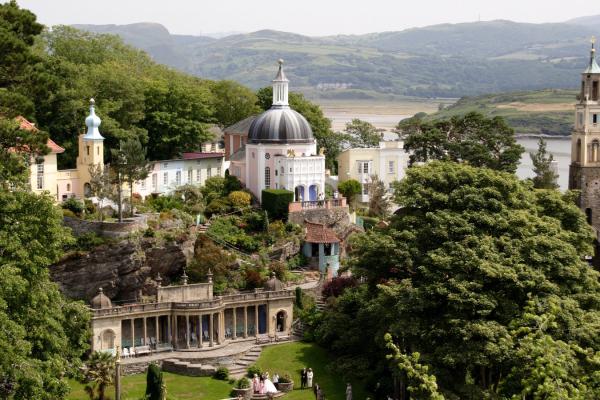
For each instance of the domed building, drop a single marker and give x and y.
(280, 151)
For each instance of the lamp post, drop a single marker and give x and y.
(118, 375)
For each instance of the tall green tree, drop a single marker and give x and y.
(136, 166)
(545, 176)
(233, 102)
(100, 185)
(452, 277)
(379, 203)
(349, 189)
(362, 134)
(472, 138)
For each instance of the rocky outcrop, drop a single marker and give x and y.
(122, 269)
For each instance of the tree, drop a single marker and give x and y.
(362, 134)
(545, 176)
(349, 189)
(101, 186)
(155, 387)
(18, 148)
(136, 167)
(233, 102)
(240, 199)
(42, 334)
(472, 138)
(118, 168)
(99, 374)
(379, 204)
(452, 276)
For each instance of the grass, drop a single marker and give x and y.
(179, 387)
(290, 358)
(287, 358)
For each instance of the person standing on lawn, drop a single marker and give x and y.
(309, 377)
(303, 378)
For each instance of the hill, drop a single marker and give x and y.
(543, 112)
(447, 60)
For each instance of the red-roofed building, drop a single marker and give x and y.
(322, 247)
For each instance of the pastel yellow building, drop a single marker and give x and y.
(388, 161)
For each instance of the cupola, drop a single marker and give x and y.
(93, 123)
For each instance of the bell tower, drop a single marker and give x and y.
(91, 149)
(584, 171)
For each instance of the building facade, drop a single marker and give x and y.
(388, 161)
(584, 171)
(280, 151)
(190, 317)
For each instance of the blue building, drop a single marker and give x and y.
(322, 248)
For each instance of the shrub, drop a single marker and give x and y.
(256, 221)
(154, 383)
(276, 202)
(239, 199)
(253, 279)
(243, 382)
(286, 378)
(232, 183)
(336, 286)
(222, 374)
(254, 370)
(217, 206)
(349, 189)
(164, 203)
(299, 297)
(90, 207)
(73, 205)
(149, 233)
(369, 222)
(277, 229)
(68, 213)
(279, 268)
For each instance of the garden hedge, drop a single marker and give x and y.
(276, 201)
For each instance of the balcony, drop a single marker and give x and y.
(317, 204)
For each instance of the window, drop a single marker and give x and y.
(87, 148)
(40, 175)
(282, 170)
(363, 167)
(580, 119)
(360, 167)
(595, 91)
(391, 167)
(98, 150)
(267, 177)
(143, 184)
(190, 175)
(594, 118)
(365, 189)
(219, 170)
(208, 172)
(165, 165)
(198, 175)
(68, 187)
(154, 181)
(578, 157)
(178, 178)
(165, 178)
(366, 167)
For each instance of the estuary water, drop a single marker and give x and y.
(560, 148)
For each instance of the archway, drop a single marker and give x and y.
(299, 191)
(87, 189)
(281, 317)
(107, 340)
(313, 193)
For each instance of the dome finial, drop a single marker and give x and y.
(93, 122)
(280, 87)
(593, 67)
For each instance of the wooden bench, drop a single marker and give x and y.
(141, 350)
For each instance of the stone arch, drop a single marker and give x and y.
(313, 192)
(299, 193)
(87, 189)
(107, 339)
(280, 321)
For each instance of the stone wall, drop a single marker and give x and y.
(587, 180)
(108, 229)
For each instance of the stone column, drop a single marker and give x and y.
(156, 331)
(145, 332)
(234, 334)
(256, 320)
(201, 332)
(187, 331)
(210, 329)
(245, 322)
(132, 333)
(169, 333)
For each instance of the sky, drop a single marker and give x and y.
(308, 17)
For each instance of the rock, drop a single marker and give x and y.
(121, 269)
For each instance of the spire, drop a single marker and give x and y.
(280, 87)
(593, 67)
(93, 122)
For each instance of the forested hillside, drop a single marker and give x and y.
(448, 60)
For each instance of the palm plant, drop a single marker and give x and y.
(99, 374)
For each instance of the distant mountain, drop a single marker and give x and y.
(448, 60)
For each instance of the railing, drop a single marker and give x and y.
(316, 204)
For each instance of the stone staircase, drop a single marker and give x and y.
(320, 303)
(240, 367)
(298, 329)
(188, 368)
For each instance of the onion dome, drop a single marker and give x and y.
(101, 301)
(93, 123)
(273, 284)
(280, 124)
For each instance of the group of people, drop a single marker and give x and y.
(263, 384)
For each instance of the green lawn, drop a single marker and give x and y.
(291, 357)
(286, 358)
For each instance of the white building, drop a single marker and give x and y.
(281, 152)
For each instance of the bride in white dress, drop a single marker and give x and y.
(269, 386)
